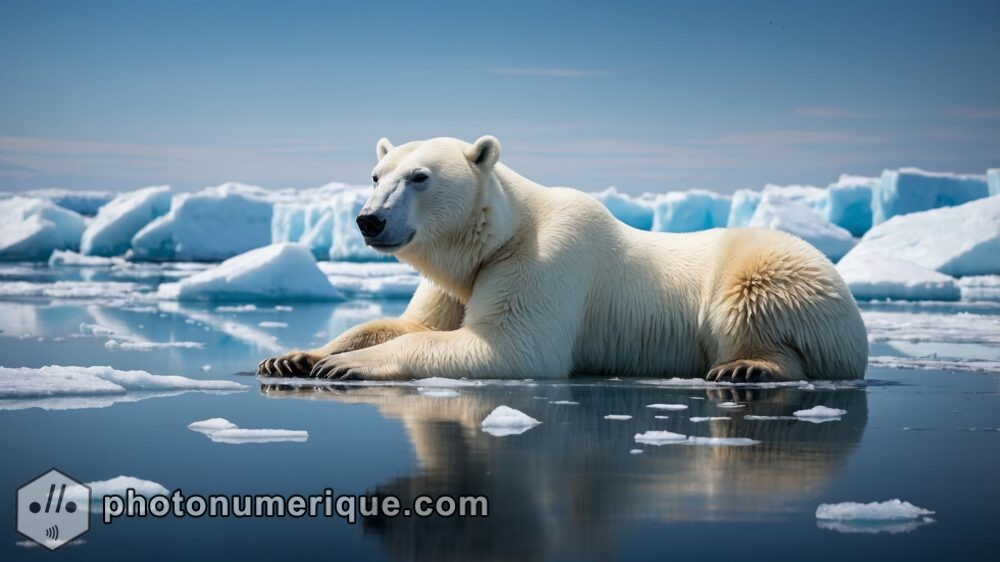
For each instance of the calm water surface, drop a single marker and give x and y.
(567, 489)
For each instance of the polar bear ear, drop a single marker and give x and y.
(484, 153)
(383, 147)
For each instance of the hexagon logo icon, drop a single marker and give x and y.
(53, 509)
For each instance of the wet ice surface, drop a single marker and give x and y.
(576, 486)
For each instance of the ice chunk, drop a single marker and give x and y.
(768, 418)
(876, 275)
(777, 212)
(958, 241)
(980, 287)
(118, 486)
(670, 438)
(690, 211)
(31, 229)
(619, 417)
(819, 414)
(700, 419)
(565, 403)
(141, 345)
(221, 430)
(993, 180)
(504, 420)
(849, 203)
(891, 510)
(71, 289)
(910, 190)
(83, 201)
(730, 405)
(661, 417)
(659, 437)
(671, 407)
(278, 271)
(111, 231)
(211, 225)
(212, 424)
(635, 451)
(346, 243)
(272, 324)
(742, 207)
(636, 212)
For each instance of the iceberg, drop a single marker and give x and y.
(741, 209)
(910, 190)
(324, 220)
(85, 201)
(275, 272)
(111, 231)
(31, 229)
(957, 241)
(874, 276)
(214, 224)
(504, 421)
(849, 203)
(636, 212)
(794, 216)
(690, 211)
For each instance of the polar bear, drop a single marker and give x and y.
(526, 281)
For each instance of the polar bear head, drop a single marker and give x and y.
(427, 192)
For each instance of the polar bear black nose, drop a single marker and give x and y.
(370, 225)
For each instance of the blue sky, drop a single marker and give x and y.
(642, 95)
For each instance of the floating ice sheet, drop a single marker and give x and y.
(670, 407)
(936, 364)
(891, 510)
(819, 414)
(618, 417)
(221, 430)
(670, 438)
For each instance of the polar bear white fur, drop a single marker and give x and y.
(521, 280)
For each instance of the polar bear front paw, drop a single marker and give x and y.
(292, 364)
(742, 370)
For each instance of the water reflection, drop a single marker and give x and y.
(570, 485)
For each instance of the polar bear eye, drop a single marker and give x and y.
(419, 177)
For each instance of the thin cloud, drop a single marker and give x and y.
(977, 112)
(833, 111)
(548, 72)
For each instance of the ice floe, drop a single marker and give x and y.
(272, 324)
(819, 414)
(700, 419)
(618, 417)
(504, 420)
(670, 438)
(891, 510)
(671, 407)
(221, 430)
(38, 385)
(874, 276)
(963, 327)
(768, 418)
(730, 405)
(565, 403)
(937, 364)
(117, 486)
(385, 280)
(278, 271)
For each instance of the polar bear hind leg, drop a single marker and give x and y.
(781, 313)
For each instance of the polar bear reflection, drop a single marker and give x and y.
(570, 485)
